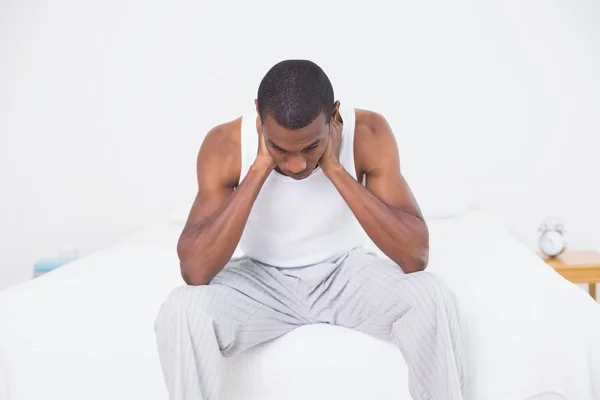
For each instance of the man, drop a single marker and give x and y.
(296, 185)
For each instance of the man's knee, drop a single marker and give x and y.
(180, 302)
(429, 286)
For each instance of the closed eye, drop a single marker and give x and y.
(277, 148)
(311, 148)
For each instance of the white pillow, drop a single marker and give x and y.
(439, 201)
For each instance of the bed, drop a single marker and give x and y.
(85, 331)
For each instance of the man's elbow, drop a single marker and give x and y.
(192, 277)
(417, 262)
(421, 263)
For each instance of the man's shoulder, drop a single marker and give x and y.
(225, 137)
(370, 123)
(221, 149)
(372, 135)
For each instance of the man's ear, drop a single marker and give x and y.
(259, 126)
(335, 113)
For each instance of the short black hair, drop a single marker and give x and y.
(294, 93)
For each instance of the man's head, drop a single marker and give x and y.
(295, 103)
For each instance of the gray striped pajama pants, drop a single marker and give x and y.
(249, 303)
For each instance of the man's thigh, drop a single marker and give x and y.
(244, 304)
(262, 284)
(369, 293)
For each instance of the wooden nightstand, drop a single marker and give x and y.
(578, 266)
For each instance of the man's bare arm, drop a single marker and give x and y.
(385, 208)
(219, 213)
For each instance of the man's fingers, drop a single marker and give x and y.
(336, 128)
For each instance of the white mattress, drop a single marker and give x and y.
(85, 331)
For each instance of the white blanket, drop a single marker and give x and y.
(85, 331)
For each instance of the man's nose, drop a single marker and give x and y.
(295, 164)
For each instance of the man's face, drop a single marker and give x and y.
(296, 152)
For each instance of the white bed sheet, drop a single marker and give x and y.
(86, 330)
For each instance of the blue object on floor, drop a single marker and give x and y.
(44, 265)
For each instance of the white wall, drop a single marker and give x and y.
(103, 105)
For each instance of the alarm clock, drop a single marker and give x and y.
(552, 241)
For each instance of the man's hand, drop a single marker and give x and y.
(331, 158)
(263, 158)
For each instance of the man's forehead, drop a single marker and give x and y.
(293, 142)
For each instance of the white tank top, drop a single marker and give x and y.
(296, 223)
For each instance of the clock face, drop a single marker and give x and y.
(552, 243)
